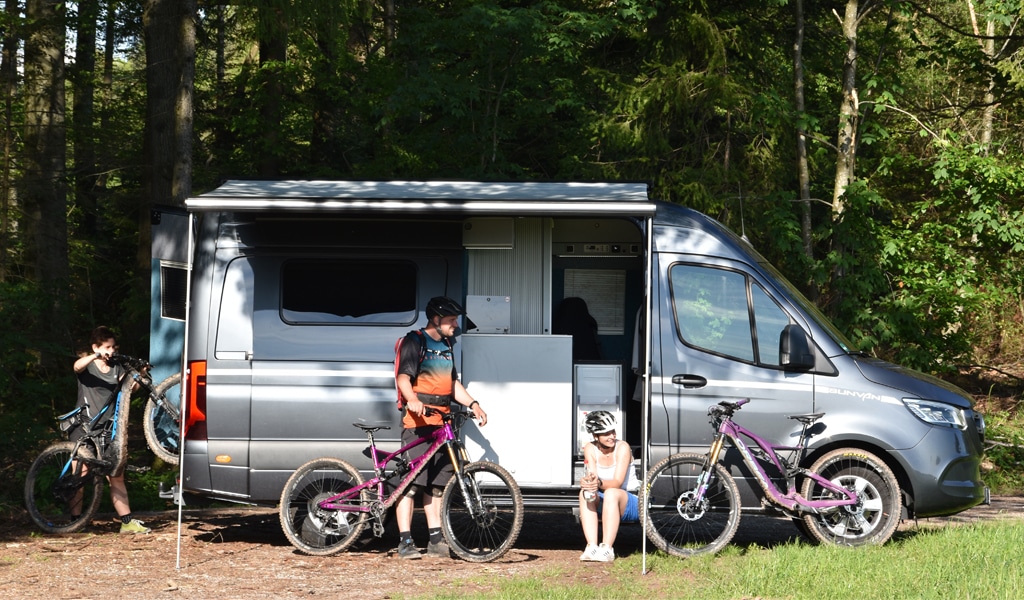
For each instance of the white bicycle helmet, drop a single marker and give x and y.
(600, 421)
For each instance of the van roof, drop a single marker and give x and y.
(457, 197)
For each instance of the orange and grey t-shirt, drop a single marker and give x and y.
(435, 375)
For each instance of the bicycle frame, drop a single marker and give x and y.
(444, 436)
(790, 501)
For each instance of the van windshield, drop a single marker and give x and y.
(809, 307)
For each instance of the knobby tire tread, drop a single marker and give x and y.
(688, 534)
(153, 413)
(49, 512)
(491, 535)
(316, 531)
(875, 521)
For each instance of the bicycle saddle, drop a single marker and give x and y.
(371, 428)
(807, 419)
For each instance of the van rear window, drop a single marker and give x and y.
(348, 292)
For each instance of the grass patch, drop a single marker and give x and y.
(972, 561)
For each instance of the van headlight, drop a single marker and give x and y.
(936, 413)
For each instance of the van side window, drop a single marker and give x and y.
(715, 312)
(348, 291)
(173, 282)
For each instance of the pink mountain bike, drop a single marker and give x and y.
(326, 504)
(691, 504)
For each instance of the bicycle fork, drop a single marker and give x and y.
(704, 479)
(459, 460)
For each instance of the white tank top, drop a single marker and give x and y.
(631, 484)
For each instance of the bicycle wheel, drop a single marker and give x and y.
(481, 512)
(877, 513)
(117, 449)
(315, 530)
(55, 487)
(683, 527)
(163, 431)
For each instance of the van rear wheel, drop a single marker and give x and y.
(314, 529)
(873, 519)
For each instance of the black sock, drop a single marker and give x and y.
(126, 519)
(405, 537)
(435, 535)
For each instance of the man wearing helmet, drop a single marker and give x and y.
(608, 486)
(429, 379)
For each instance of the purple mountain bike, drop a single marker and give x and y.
(326, 504)
(691, 504)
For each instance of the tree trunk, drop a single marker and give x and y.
(989, 114)
(9, 81)
(43, 191)
(107, 97)
(273, 32)
(803, 171)
(170, 37)
(272, 53)
(83, 128)
(846, 144)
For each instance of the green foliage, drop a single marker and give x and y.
(1004, 465)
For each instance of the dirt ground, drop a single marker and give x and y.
(241, 553)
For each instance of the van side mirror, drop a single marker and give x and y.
(795, 350)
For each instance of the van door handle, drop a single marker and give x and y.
(689, 381)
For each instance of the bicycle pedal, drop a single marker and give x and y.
(134, 469)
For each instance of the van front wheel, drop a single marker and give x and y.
(877, 513)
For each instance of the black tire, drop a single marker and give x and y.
(872, 520)
(49, 490)
(314, 530)
(683, 530)
(491, 529)
(163, 431)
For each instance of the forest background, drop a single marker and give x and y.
(871, 149)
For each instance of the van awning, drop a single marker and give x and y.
(451, 197)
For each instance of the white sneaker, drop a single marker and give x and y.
(604, 553)
(590, 554)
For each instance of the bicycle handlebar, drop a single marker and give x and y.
(726, 408)
(132, 362)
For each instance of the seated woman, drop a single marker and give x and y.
(608, 487)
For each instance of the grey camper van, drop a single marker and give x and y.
(299, 289)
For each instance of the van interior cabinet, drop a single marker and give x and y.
(598, 387)
(524, 383)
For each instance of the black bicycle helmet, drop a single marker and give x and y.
(443, 306)
(600, 421)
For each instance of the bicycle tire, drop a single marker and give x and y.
(873, 519)
(685, 531)
(314, 530)
(163, 431)
(117, 450)
(496, 525)
(49, 491)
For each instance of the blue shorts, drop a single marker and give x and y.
(632, 512)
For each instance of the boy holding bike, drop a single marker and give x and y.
(97, 380)
(426, 377)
